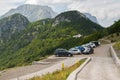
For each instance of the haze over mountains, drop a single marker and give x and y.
(37, 12)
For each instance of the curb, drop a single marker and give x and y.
(73, 75)
(114, 56)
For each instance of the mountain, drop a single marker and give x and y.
(42, 37)
(37, 12)
(115, 28)
(92, 18)
(78, 21)
(12, 25)
(32, 12)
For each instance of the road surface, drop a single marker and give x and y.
(101, 67)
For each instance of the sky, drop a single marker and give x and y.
(106, 11)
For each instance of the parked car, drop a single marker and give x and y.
(92, 44)
(97, 43)
(88, 50)
(62, 52)
(75, 51)
(86, 45)
(81, 48)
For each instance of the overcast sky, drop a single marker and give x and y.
(106, 11)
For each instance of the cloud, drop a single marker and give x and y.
(31, 2)
(107, 10)
(48, 2)
(6, 5)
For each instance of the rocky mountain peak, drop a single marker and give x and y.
(32, 12)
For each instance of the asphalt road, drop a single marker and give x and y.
(101, 67)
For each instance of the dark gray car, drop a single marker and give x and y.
(62, 52)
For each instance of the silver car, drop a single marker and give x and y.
(75, 51)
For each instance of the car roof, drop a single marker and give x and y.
(79, 46)
(73, 49)
(94, 41)
(61, 49)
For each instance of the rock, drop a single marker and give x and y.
(32, 12)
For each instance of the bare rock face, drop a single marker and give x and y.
(32, 12)
(60, 19)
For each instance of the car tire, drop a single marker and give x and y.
(57, 55)
(69, 55)
(79, 53)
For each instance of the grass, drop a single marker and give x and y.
(117, 46)
(60, 74)
(113, 37)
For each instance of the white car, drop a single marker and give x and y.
(88, 50)
(92, 45)
(75, 51)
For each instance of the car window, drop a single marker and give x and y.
(62, 51)
(75, 50)
(82, 49)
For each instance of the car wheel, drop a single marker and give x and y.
(79, 53)
(57, 55)
(69, 55)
